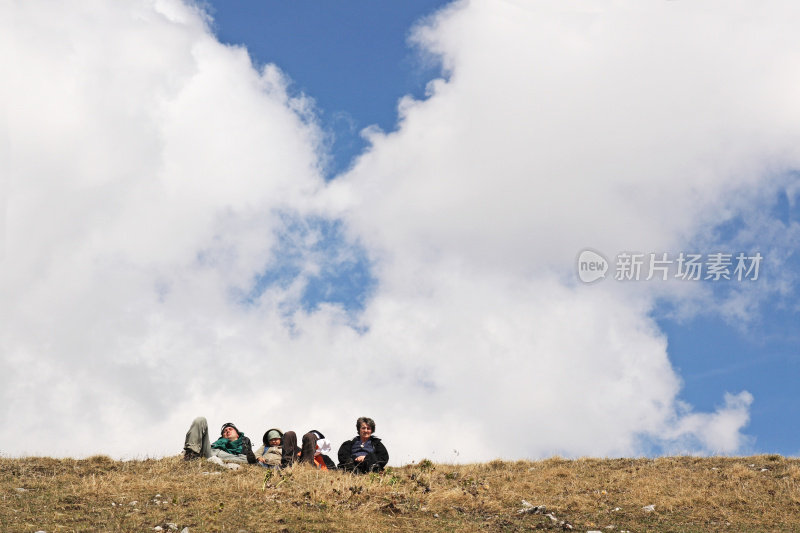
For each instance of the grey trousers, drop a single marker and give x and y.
(198, 441)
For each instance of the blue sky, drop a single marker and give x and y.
(353, 58)
(377, 206)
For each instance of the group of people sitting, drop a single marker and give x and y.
(364, 453)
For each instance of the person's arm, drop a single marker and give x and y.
(344, 454)
(259, 453)
(247, 448)
(381, 453)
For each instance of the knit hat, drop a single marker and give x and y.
(229, 425)
(273, 433)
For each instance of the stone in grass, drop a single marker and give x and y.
(649, 508)
(528, 508)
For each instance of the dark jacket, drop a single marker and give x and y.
(247, 449)
(375, 461)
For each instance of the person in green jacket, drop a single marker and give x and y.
(232, 446)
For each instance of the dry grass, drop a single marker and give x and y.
(689, 494)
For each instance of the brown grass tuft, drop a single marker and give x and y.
(689, 494)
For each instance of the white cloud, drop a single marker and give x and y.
(717, 432)
(561, 127)
(152, 167)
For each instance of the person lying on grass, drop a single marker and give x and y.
(231, 447)
(270, 452)
(364, 453)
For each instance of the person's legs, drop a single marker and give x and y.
(369, 464)
(197, 437)
(289, 448)
(229, 457)
(309, 447)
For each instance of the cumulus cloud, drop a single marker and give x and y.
(150, 168)
(718, 431)
(165, 215)
(560, 127)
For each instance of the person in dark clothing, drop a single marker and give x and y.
(364, 453)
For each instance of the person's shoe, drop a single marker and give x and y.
(190, 455)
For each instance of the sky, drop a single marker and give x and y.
(430, 213)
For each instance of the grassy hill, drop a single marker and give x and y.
(746, 494)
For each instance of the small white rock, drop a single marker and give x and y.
(185, 530)
(134, 502)
(158, 528)
(649, 508)
(173, 527)
(20, 489)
